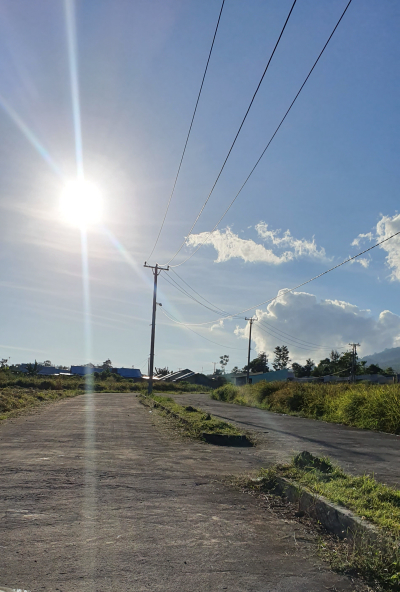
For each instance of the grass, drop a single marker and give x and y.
(197, 421)
(20, 392)
(367, 406)
(13, 400)
(367, 498)
(115, 384)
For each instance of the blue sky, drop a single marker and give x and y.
(331, 174)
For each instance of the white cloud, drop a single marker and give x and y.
(330, 323)
(385, 228)
(229, 246)
(301, 247)
(356, 242)
(363, 261)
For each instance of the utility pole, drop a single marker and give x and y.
(156, 272)
(214, 366)
(353, 360)
(251, 321)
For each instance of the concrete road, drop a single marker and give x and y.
(357, 451)
(97, 494)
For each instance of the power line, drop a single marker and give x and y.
(300, 285)
(237, 133)
(174, 320)
(265, 149)
(175, 285)
(193, 290)
(274, 329)
(298, 346)
(292, 338)
(188, 135)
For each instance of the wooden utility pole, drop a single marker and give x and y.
(156, 272)
(251, 321)
(353, 360)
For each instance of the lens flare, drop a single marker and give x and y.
(81, 204)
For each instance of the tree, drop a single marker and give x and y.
(47, 363)
(373, 369)
(235, 370)
(258, 364)
(282, 359)
(4, 363)
(162, 371)
(33, 369)
(390, 371)
(223, 361)
(107, 365)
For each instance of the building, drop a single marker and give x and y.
(241, 379)
(133, 373)
(188, 376)
(128, 373)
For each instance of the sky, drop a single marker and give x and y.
(107, 90)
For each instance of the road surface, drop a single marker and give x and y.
(97, 494)
(357, 451)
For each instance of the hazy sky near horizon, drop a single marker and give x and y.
(330, 175)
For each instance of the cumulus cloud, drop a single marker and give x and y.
(312, 323)
(386, 226)
(229, 246)
(301, 247)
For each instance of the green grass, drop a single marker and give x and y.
(20, 392)
(368, 499)
(115, 384)
(198, 421)
(368, 406)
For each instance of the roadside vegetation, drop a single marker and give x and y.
(367, 406)
(18, 392)
(366, 497)
(195, 422)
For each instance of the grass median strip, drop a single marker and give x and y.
(377, 558)
(201, 425)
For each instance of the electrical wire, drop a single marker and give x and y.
(183, 291)
(303, 344)
(274, 329)
(299, 285)
(188, 135)
(237, 134)
(285, 335)
(174, 320)
(264, 151)
(193, 290)
(291, 342)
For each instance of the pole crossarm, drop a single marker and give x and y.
(156, 269)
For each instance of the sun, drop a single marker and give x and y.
(81, 203)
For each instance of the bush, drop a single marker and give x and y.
(367, 406)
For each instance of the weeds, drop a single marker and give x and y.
(373, 407)
(195, 420)
(379, 563)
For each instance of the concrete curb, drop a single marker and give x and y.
(336, 519)
(216, 439)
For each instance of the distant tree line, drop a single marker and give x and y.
(338, 364)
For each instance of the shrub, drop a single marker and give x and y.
(367, 406)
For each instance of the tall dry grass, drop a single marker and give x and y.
(373, 407)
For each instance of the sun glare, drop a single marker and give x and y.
(81, 204)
